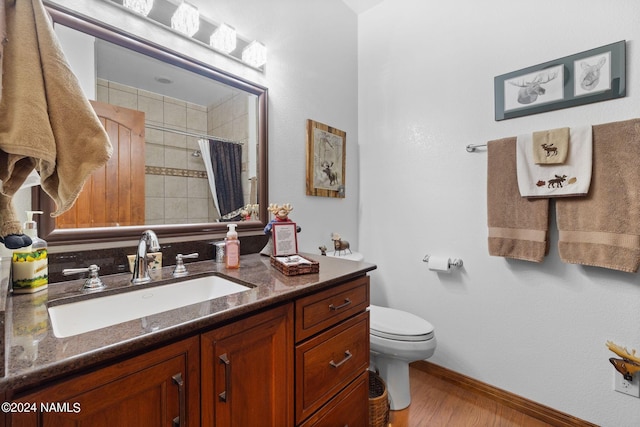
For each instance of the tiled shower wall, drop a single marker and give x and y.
(230, 120)
(176, 185)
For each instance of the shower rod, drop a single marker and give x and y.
(193, 134)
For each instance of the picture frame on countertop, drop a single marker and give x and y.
(591, 76)
(285, 238)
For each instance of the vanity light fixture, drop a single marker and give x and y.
(255, 54)
(143, 7)
(186, 19)
(224, 38)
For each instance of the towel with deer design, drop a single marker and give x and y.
(550, 146)
(571, 178)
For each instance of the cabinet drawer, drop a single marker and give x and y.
(326, 363)
(319, 311)
(349, 408)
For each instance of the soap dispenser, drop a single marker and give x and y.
(232, 247)
(29, 266)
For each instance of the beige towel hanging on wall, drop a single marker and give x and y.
(46, 122)
(603, 229)
(517, 225)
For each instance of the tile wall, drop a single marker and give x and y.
(176, 185)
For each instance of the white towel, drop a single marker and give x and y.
(572, 178)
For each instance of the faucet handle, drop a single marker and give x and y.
(180, 270)
(93, 281)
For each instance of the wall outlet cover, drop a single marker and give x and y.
(632, 388)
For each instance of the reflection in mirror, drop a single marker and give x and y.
(189, 141)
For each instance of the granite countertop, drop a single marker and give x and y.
(34, 355)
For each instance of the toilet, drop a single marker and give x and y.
(396, 338)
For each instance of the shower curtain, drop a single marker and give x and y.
(223, 161)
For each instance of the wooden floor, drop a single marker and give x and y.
(436, 402)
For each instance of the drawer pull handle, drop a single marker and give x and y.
(180, 420)
(226, 395)
(347, 301)
(347, 356)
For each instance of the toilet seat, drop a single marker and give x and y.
(398, 325)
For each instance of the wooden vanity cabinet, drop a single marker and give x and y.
(239, 374)
(247, 371)
(158, 388)
(332, 356)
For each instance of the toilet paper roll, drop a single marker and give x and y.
(441, 264)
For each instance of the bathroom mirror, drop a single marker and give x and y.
(185, 103)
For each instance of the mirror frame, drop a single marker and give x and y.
(41, 201)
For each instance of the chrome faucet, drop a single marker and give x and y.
(149, 240)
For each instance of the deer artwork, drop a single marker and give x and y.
(550, 149)
(557, 181)
(530, 91)
(339, 245)
(590, 76)
(326, 168)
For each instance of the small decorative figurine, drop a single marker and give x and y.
(339, 245)
(281, 214)
(245, 213)
(323, 250)
(249, 212)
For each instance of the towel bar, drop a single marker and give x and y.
(472, 147)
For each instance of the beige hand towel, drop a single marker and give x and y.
(46, 122)
(517, 226)
(569, 179)
(550, 147)
(603, 228)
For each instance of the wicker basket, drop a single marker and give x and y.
(378, 401)
(294, 270)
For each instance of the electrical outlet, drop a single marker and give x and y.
(632, 388)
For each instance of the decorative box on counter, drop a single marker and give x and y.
(294, 265)
(285, 256)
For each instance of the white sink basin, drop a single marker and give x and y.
(88, 315)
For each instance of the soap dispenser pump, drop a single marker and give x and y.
(232, 247)
(31, 230)
(29, 266)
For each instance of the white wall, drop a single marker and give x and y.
(425, 80)
(80, 53)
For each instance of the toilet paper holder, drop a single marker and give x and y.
(453, 263)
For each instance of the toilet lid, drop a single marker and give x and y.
(398, 325)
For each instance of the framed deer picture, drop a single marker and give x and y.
(590, 76)
(326, 167)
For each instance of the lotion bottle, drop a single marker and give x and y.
(232, 247)
(30, 266)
